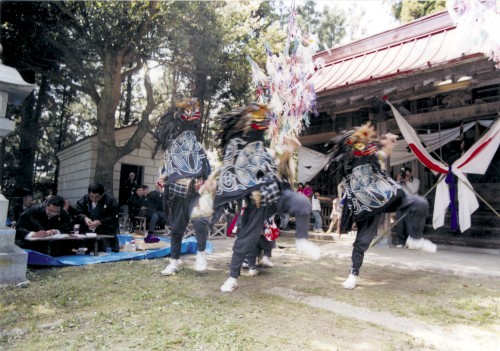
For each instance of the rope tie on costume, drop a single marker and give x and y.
(450, 180)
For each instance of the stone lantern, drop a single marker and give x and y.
(13, 260)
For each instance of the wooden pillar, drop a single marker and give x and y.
(385, 220)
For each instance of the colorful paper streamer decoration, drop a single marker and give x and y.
(285, 84)
(478, 25)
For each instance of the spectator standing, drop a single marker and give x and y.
(409, 183)
(410, 186)
(308, 191)
(316, 212)
(335, 216)
(300, 188)
(130, 187)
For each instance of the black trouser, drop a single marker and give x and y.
(299, 206)
(252, 223)
(413, 224)
(249, 231)
(61, 248)
(153, 218)
(367, 229)
(112, 243)
(415, 208)
(262, 244)
(181, 209)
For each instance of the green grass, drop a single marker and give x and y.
(130, 306)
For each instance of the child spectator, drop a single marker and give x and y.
(300, 188)
(308, 191)
(316, 212)
(335, 216)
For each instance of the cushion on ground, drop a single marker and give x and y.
(189, 245)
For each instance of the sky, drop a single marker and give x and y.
(377, 16)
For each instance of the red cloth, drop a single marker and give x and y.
(271, 231)
(231, 226)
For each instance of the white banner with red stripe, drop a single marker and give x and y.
(475, 160)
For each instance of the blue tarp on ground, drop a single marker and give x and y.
(35, 258)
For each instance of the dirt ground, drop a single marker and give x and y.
(297, 305)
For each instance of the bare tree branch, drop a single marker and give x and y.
(143, 29)
(144, 124)
(74, 23)
(91, 85)
(55, 77)
(136, 68)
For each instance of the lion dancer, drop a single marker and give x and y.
(369, 192)
(186, 168)
(250, 173)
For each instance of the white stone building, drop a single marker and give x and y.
(78, 162)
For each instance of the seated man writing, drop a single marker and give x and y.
(42, 221)
(99, 213)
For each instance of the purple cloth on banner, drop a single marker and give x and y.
(450, 180)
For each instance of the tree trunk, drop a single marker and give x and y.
(206, 124)
(107, 152)
(199, 93)
(29, 133)
(63, 125)
(128, 101)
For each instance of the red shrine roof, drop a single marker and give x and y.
(420, 45)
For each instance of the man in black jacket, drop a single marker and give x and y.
(137, 204)
(41, 221)
(18, 209)
(99, 212)
(130, 187)
(155, 211)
